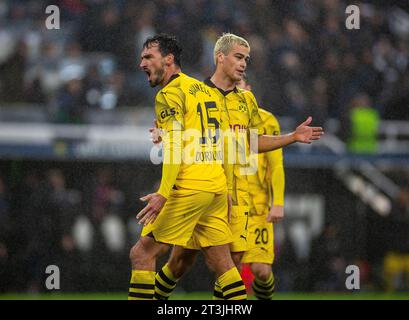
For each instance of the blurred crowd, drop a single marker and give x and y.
(303, 59)
(83, 224)
(82, 219)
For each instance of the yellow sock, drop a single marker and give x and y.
(217, 293)
(232, 285)
(142, 285)
(264, 290)
(165, 283)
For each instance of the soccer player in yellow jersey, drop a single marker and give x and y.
(231, 55)
(192, 201)
(266, 189)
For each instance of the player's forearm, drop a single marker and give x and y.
(268, 143)
(278, 185)
(169, 175)
(277, 178)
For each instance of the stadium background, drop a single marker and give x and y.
(74, 143)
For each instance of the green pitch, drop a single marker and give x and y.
(208, 296)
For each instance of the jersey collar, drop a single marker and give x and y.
(173, 77)
(209, 83)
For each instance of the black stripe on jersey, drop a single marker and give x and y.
(163, 276)
(173, 77)
(209, 82)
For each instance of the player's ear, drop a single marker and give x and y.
(169, 59)
(220, 57)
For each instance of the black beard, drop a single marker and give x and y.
(159, 77)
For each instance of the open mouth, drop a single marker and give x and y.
(148, 73)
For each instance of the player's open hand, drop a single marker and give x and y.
(276, 214)
(155, 133)
(306, 134)
(151, 211)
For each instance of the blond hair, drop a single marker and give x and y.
(226, 42)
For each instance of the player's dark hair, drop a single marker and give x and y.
(167, 45)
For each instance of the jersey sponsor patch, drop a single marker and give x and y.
(165, 113)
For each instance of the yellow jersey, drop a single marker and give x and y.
(267, 186)
(190, 117)
(243, 115)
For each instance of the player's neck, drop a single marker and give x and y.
(222, 81)
(169, 72)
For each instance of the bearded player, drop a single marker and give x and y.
(191, 202)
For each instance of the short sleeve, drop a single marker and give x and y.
(271, 125)
(256, 123)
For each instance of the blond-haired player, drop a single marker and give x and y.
(231, 55)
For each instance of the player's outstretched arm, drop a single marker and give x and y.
(303, 134)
